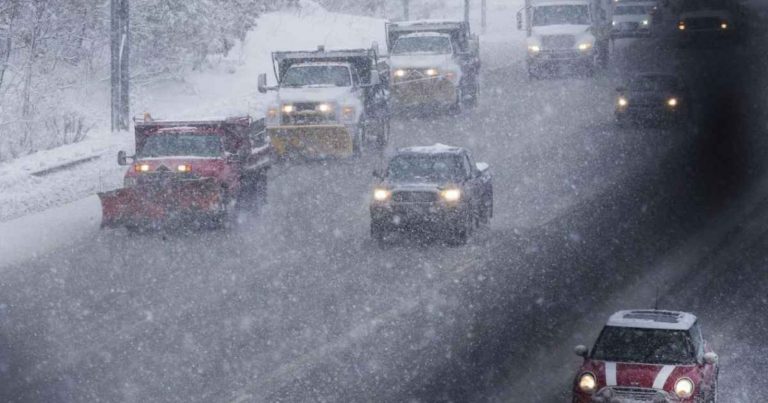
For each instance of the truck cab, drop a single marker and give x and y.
(573, 33)
(433, 64)
(328, 103)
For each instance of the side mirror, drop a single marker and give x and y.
(375, 78)
(122, 158)
(581, 350)
(519, 20)
(482, 167)
(262, 83)
(710, 358)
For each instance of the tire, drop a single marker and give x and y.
(532, 73)
(712, 398)
(486, 209)
(358, 141)
(460, 235)
(382, 139)
(378, 232)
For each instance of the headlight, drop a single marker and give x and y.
(399, 73)
(681, 26)
(184, 168)
(645, 22)
(288, 108)
(324, 108)
(588, 383)
(672, 102)
(141, 167)
(451, 195)
(622, 101)
(613, 23)
(430, 72)
(348, 113)
(724, 25)
(585, 46)
(380, 194)
(684, 388)
(273, 115)
(534, 48)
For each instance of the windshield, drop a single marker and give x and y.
(654, 83)
(175, 145)
(317, 76)
(423, 168)
(561, 15)
(632, 10)
(423, 44)
(693, 5)
(649, 346)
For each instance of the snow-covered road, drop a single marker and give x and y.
(296, 303)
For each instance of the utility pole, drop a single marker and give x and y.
(483, 12)
(466, 11)
(406, 11)
(120, 39)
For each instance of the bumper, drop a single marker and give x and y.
(180, 202)
(313, 141)
(549, 57)
(423, 92)
(650, 113)
(417, 216)
(628, 394)
(631, 33)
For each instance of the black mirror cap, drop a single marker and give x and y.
(581, 350)
(122, 158)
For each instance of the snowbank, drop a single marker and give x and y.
(36, 234)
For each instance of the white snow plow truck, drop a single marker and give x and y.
(433, 63)
(329, 103)
(566, 33)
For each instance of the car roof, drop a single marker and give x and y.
(434, 149)
(425, 34)
(652, 319)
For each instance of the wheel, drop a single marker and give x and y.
(533, 73)
(470, 101)
(460, 234)
(382, 139)
(712, 398)
(486, 209)
(377, 232)
(457, 106)
(358, 140)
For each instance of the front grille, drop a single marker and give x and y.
(630, 394)
(414, 197)
(558, 41)
(703, 23)
(306, 113)
(629, 26)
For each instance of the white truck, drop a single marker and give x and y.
(330, 103)
(573, 33)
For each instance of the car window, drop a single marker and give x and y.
(651, 346)
(426, 167)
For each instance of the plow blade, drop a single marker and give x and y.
(312, 141)
(152, 204)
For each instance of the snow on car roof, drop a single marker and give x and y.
(536, 3)
(425, 34)
(436, 148)
(425, 22)
(652, 319)
(308, 64)
(174, 129)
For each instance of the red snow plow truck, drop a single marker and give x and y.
(189, 172)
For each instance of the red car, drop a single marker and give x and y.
(648, 356)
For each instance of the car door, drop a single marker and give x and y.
(472, 182)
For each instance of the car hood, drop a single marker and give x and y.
(414, 186)
(654, 376)
(724, 14)
(575, 30)
(422, 61)
(343, 95)
(632, 18)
